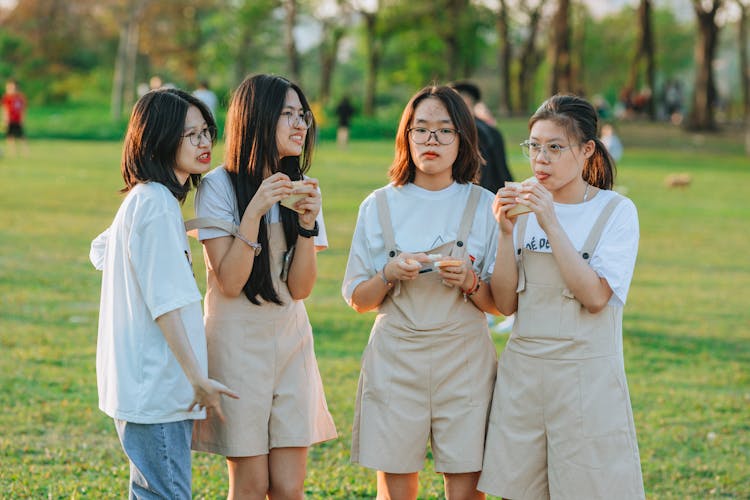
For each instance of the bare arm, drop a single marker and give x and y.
(504, 281)
(231, 258)
(592, 291)
(370, 293)
(207, 392)
(304, 269)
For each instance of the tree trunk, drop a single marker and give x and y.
(503, 58)
(118, 79)
(644, 52)
(560, 51)
(290, 6)
(702, 115)
(373, 63)
(529, 60)
(328, 54)
(744, 62)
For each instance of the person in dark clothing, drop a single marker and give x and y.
(344, 112)
(494, 172)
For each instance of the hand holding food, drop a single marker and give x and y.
(297, 195)
(519, 188)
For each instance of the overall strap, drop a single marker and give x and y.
(598, 228)
(521, 222)
(384, 216)
(467, 220)
(192, 225)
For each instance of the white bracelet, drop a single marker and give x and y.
(257, 247)
(385, 280)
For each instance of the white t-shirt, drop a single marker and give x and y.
(146, 263)
(216, 198)
(614, 257)
(422, 220)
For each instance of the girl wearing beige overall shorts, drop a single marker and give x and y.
(429, 366)
(561, 424)
(259, 336)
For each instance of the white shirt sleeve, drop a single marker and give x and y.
(615, 255)
(161, 261)
(360, 266)
(215, 198)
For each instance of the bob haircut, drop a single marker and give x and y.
(580, 121)
(155, 132)
(466, 166)
(251, 150)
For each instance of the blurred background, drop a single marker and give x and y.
(83, 64)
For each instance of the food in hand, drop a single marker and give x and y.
(449, 263)
(519, 209)
(290, 200)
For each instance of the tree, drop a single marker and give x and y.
(744, 62)
(504, 55)
(290, 21)
(529, 58)
(334, 23)
(644, 52)
(702, 114)
(123, 79)
(561, 81)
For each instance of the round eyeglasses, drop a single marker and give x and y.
(195, 137)
(295, 118)
(552, 152)
(444, 136)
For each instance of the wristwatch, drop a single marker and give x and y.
(308, 233)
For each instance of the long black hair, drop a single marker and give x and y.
(251, 150)
(153, 137)
(579, 118)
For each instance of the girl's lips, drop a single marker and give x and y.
(205, 158)
(540, 176)
(430, 155)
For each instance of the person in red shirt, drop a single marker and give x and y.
(14, 106)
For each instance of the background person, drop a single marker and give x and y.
(207, 95)
(344, 113)
(561, 424)
(151, 350)
(14, 110)
(494, 172)
(260, 264)
(428, 368)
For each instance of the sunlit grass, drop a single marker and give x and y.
(686, 325)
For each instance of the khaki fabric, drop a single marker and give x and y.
(427, 375)
(561, 424)
(266, 354)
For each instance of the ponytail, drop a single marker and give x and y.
(600, 170)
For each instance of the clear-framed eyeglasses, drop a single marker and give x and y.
(552, 152)
(295, 118)
(444, 136)
(195, 137)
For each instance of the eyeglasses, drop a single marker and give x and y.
(208, 133)
(444, 136)
(294, 119)
(552, 152)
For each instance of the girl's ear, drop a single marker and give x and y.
(589, 148)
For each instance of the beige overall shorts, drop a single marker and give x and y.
(561, 425)
(427, 372)
(264, 353)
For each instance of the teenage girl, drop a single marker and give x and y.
(261, 263)
(561, 424)
(429, 366)
(151, 351)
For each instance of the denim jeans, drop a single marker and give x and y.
(159, 457)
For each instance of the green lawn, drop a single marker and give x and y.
(687, 326)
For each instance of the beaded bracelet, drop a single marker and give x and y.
(385, 280)
(474, 288)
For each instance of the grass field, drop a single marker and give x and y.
(687, 325)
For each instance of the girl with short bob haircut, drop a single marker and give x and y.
(150, 310)
(561, 424)
(422, 255)
(261, 263)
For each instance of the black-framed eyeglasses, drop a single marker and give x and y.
(552, 152)
(195, 137)
(444, 136)
(295, 118)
